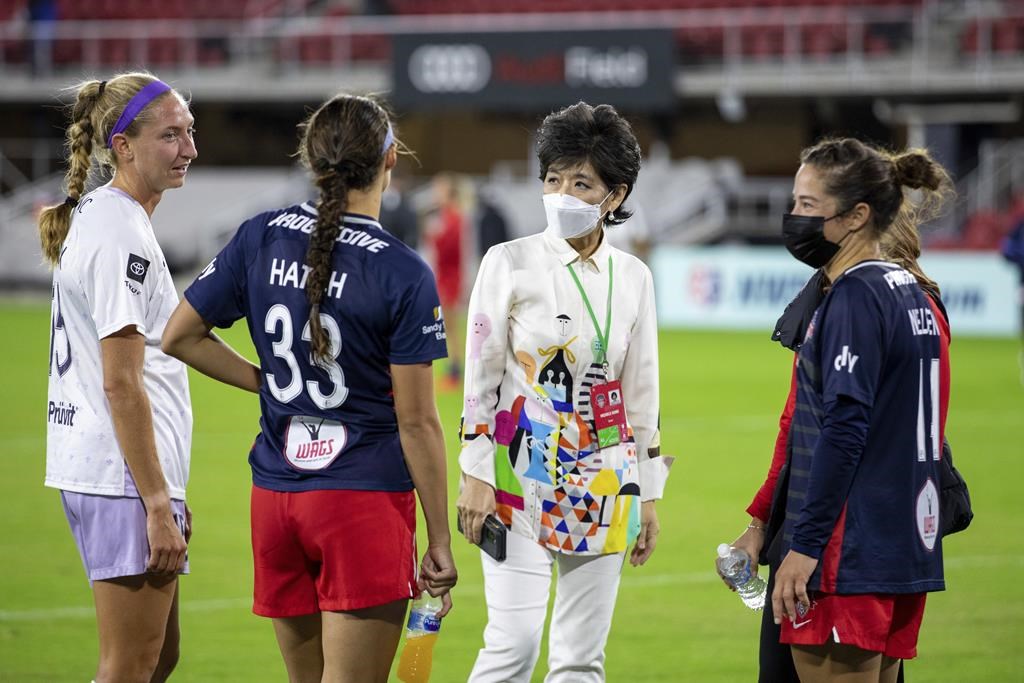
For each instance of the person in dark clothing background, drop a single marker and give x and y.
(491, 226)
(397, 213)
(1012, 249)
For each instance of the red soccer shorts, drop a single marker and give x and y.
(331, 550)
(877, 622)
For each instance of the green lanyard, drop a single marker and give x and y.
(602, 357)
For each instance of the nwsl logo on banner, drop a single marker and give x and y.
(705, 286)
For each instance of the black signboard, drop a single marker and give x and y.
(631, 69)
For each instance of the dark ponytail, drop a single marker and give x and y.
(343, 146)
(916, 169)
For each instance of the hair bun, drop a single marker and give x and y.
(915, 169)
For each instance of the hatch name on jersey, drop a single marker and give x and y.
(285, 273)
(312, 443)
(305, 223)
(61, 413)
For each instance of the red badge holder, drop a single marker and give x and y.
(609, 413)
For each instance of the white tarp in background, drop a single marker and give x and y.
(738, 287)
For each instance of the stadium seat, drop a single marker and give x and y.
(984, 230)
(10, 9)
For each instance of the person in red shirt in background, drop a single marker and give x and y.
(447, 238)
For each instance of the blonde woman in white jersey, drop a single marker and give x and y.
(119, 421)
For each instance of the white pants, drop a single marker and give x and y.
(517, 599)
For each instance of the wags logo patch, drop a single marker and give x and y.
(137, 268)
(312, 443)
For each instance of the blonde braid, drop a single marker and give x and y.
(55, 221)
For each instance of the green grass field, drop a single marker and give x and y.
(721, 394)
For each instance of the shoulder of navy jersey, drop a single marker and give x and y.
(892, 275)
(293, 218)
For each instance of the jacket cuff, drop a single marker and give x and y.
(808, 550)
(477, 459)
(653, 475)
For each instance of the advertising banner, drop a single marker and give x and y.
(535, 70)
(748, 288)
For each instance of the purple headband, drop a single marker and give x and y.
(389, 139)
(136, 105)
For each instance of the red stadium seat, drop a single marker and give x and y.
(116, 52)
(68, 51)
(1006, 38)
(984, 230)
(12, 8)
(164, 51)
(15, 51)
(368, 48)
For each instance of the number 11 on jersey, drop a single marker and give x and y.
(928, 426)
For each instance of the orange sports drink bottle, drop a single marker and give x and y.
(420, 635)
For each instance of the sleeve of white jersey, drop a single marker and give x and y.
(118, 273)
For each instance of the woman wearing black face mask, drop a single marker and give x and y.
(902, 245)
(840, 439)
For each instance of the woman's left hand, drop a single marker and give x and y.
(790, 599)
(648, 537)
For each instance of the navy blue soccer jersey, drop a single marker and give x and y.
(330, 425)
(865, 438)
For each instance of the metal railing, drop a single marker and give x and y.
(797, 38)
(998, 179)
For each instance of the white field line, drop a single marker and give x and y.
(630, 580)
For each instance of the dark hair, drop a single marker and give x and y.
(581, 133)
(97, 107)
(854, 171)
(342, 144)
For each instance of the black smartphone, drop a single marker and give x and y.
(493, 537)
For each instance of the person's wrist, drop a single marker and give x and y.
(157, 503)
(756, 526)
(441, 539)
(477, 482)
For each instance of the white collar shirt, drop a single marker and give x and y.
(530, 365)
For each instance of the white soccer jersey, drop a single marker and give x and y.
(111, 274)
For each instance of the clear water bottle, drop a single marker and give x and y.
(420, 636)
(738, 570)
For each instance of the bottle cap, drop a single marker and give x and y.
(724, 549)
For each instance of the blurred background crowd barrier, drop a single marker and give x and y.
(723, 95)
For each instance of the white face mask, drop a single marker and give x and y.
(570, 217)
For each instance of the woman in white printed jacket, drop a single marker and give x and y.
(560, 425)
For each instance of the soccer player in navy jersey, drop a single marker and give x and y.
(346, 322)
(860, 536)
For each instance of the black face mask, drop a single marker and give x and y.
(804, 237)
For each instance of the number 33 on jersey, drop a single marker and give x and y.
(330, 423)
